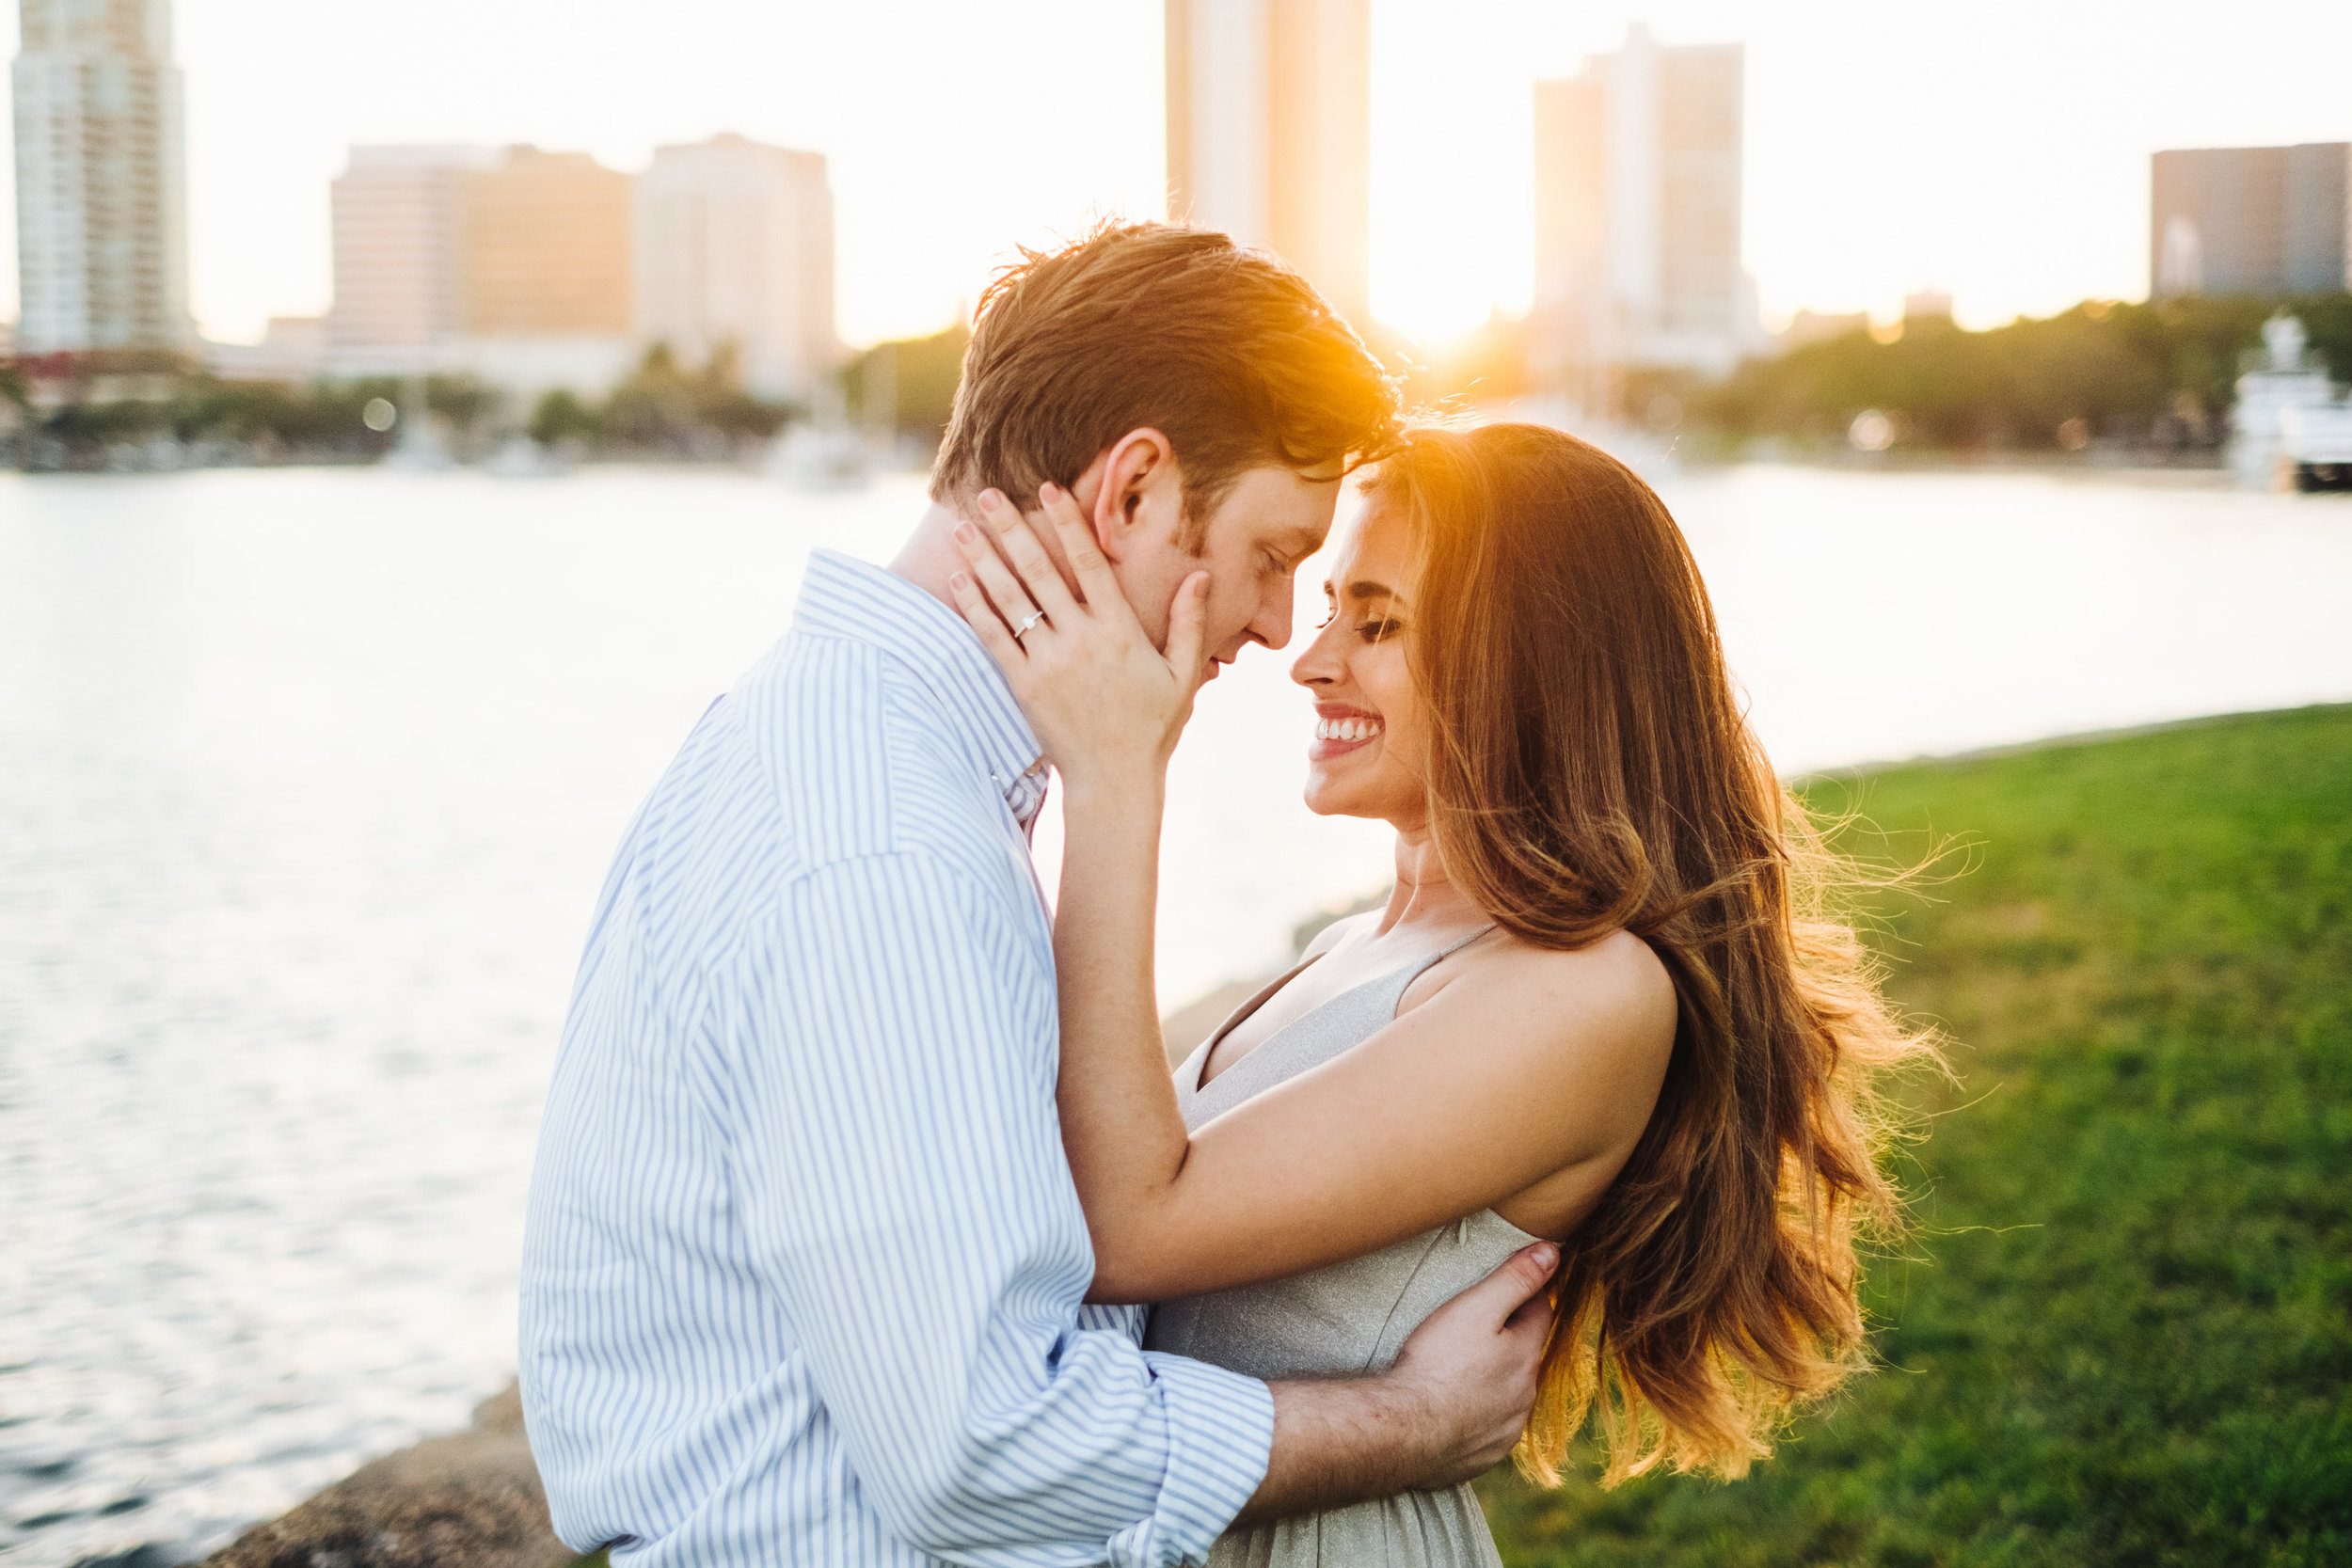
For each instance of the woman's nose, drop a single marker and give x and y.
(1312, 668)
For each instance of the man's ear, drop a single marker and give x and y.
(1138, 491)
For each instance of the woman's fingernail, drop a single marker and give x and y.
(992, 497)
(966, 533)
(960, 581)
(1048, 490)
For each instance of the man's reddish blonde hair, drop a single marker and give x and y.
(1227, 352)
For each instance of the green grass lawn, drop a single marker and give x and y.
(2122, 1332)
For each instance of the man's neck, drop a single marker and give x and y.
(930, 557)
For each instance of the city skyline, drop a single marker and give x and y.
(1637, 216)
(1269, 132)
(538, 267)
(2000, 152)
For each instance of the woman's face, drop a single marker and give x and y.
(1366, 759)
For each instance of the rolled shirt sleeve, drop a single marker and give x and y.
(887, 1035)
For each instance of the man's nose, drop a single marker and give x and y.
(1272, 625)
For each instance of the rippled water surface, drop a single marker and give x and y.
(307, 778)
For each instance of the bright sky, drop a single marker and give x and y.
(1997, 149)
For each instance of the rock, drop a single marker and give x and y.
(470, 1501)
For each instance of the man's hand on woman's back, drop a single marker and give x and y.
(1450, 1408)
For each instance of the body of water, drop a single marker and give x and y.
(308, 779)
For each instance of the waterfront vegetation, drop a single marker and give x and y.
(166, 414)
(176, 417)
(908, 386)
(664, 408)
(2122, 1332)
(2155, 375)
(2153, 381)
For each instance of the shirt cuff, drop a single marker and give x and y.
(1220, 1434)
(1129, 1321)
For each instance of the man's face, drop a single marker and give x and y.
(1268, 522)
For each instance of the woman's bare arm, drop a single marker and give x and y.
(1482, 1092)
(1475, 1095)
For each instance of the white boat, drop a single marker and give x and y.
(2292, 429)
(2317, 441)
(809, 458)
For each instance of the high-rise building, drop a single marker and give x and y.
(513, 263)
(2251, 220)
(101, 183)
(547, 248)
(1637, 216)
(1269, 132)
(734, 248)
(399, 218)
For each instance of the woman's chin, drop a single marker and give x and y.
(1326, 800)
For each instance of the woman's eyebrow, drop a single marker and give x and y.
(1362, 589)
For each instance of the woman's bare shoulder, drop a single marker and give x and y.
(1616, 988)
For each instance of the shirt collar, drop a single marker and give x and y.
(843, 596)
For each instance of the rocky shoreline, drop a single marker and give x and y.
(471, 1499)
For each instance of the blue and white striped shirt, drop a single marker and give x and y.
(803, 1265)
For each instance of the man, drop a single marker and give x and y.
(804, 1263)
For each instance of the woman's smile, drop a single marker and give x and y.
(1339, 730)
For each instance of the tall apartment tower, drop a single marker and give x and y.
(734, 247)
(2251, 220)
(1269, 132)
(1637, 216)
(101, 181)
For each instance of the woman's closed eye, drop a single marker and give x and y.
(1376, 628)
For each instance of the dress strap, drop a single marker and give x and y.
(1420, 967)
(1464, 943)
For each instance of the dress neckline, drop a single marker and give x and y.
(1251, 1008)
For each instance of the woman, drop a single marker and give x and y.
(1603, 1005)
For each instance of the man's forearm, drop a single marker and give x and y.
(1451, 1407)
(1343, 1442)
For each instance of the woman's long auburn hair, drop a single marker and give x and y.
(1590, 770)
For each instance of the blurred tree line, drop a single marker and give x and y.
(908, 386)
(665, 409)
(2161, 374)
(203, 418)
(164, 410)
